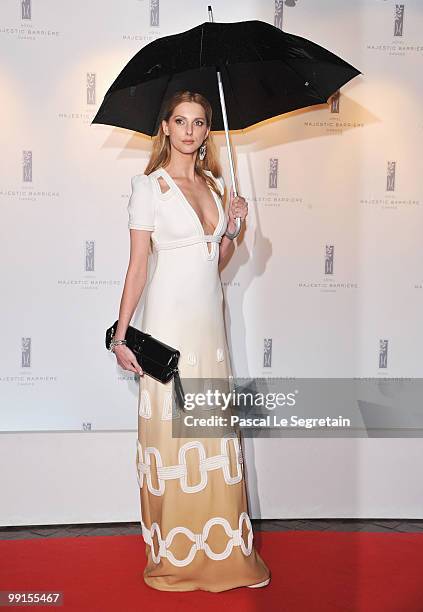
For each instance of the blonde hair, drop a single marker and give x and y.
(160, 155)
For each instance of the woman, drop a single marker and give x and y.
(194, 521)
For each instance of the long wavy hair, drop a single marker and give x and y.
(161, 152)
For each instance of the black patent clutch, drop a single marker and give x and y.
(157, 359)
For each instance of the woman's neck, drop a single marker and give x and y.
(182, 165)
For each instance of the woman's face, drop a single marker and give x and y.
(187, 127)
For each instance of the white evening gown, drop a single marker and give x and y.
(194, 513)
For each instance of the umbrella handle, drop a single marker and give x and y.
(234, 234)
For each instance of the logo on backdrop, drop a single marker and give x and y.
(395, 42)
(399, 19)
(26, 378)
(22, 28)
(327, 284)
(273, 173)
(339, 120)
(154, 13)
(390, 177)
(26, 190)
(267, 353)
(383, 353)
(389, 200)
(88, 280)
(329, 258)
(27, 166)
(151, 20)
(26, 353)
(89, 256)
(89, 95)
(278, 16)
(334, 102)
(90, 87)
(26, 9)
(270, 193)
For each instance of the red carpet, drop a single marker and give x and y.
(312, 571)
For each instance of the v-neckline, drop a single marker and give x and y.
(184, 198)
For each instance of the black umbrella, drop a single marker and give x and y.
(248, 70)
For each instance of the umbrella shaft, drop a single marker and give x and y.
(225, 123)
(228, 142)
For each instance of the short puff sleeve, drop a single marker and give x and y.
(141, 209)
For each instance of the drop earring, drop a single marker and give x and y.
(202, 151)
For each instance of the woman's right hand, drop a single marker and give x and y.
(127, 360)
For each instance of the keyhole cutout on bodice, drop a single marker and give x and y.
(164, 188)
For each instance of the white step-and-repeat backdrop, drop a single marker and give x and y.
(328, 279)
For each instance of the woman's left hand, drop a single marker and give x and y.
(238, 207)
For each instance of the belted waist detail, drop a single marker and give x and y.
(174, 244)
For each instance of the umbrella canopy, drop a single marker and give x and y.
(265, 72)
